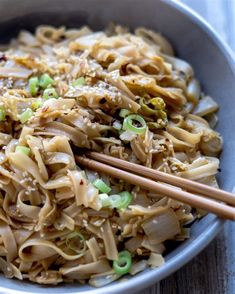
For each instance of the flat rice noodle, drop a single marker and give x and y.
(96, 267)
(76, 136)
(109, 241)
(94, 248)
(15, 72)
(30, 211)
(8, 241)
(200, 168)
(41, 249)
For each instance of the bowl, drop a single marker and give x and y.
(195, 42)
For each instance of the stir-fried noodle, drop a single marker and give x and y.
(115, 92)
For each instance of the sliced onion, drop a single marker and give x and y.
(205, 106)
(103, 279)
(155, 260)
(138, 267)
(162, 227)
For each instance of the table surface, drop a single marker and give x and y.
(212, 271)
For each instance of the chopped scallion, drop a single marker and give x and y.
(99, 184)
(33, 85)
(45, 81)
(121, 200)
(26, 115)
(50, 93)
(123, 265)
(115, 200)
(2, 114)
(79, 82)
(128, 124)
(126, 199)
(37, 104)
(105, 200)
(23, 149)
(124, 112)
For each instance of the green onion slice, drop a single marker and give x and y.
(76, 242)
(79, 82)
(124, 112)
(123, 265)
(121, 200)
(50, 93)
(45, 81)
(2, 114)
(23, 149)
(128, 124)
(105, 200)
(37, 104)
(99, 184)
(126, 199)
(115, 200)
(33, 85)
(26, 115)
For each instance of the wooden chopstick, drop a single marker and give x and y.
(186, 184)
(209, 205)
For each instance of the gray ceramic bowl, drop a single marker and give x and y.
(194, 41)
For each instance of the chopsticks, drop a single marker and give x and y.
(163, 187)
(186, 184)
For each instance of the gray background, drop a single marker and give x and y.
(213, 271)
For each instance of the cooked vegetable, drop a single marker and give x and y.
(105, 200)
(155, 108)
(26, 115)
(23, 149)
(50, 93)
(155, 260)
(117, 125)
(134, 123)
(37, 104)
(2, 114)
(99, 184)
(45, 81)
(162, 227)
(205, 106)
(79, 82)
(125, 200)
(119, 201)
(122, 266)
(124, 112)
(194, 91)
(33, 85)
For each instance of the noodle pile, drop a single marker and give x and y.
(54, 224)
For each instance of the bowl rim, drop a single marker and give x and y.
(182, 257)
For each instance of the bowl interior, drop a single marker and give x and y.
(194, 42)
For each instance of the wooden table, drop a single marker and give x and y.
(212, 271)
